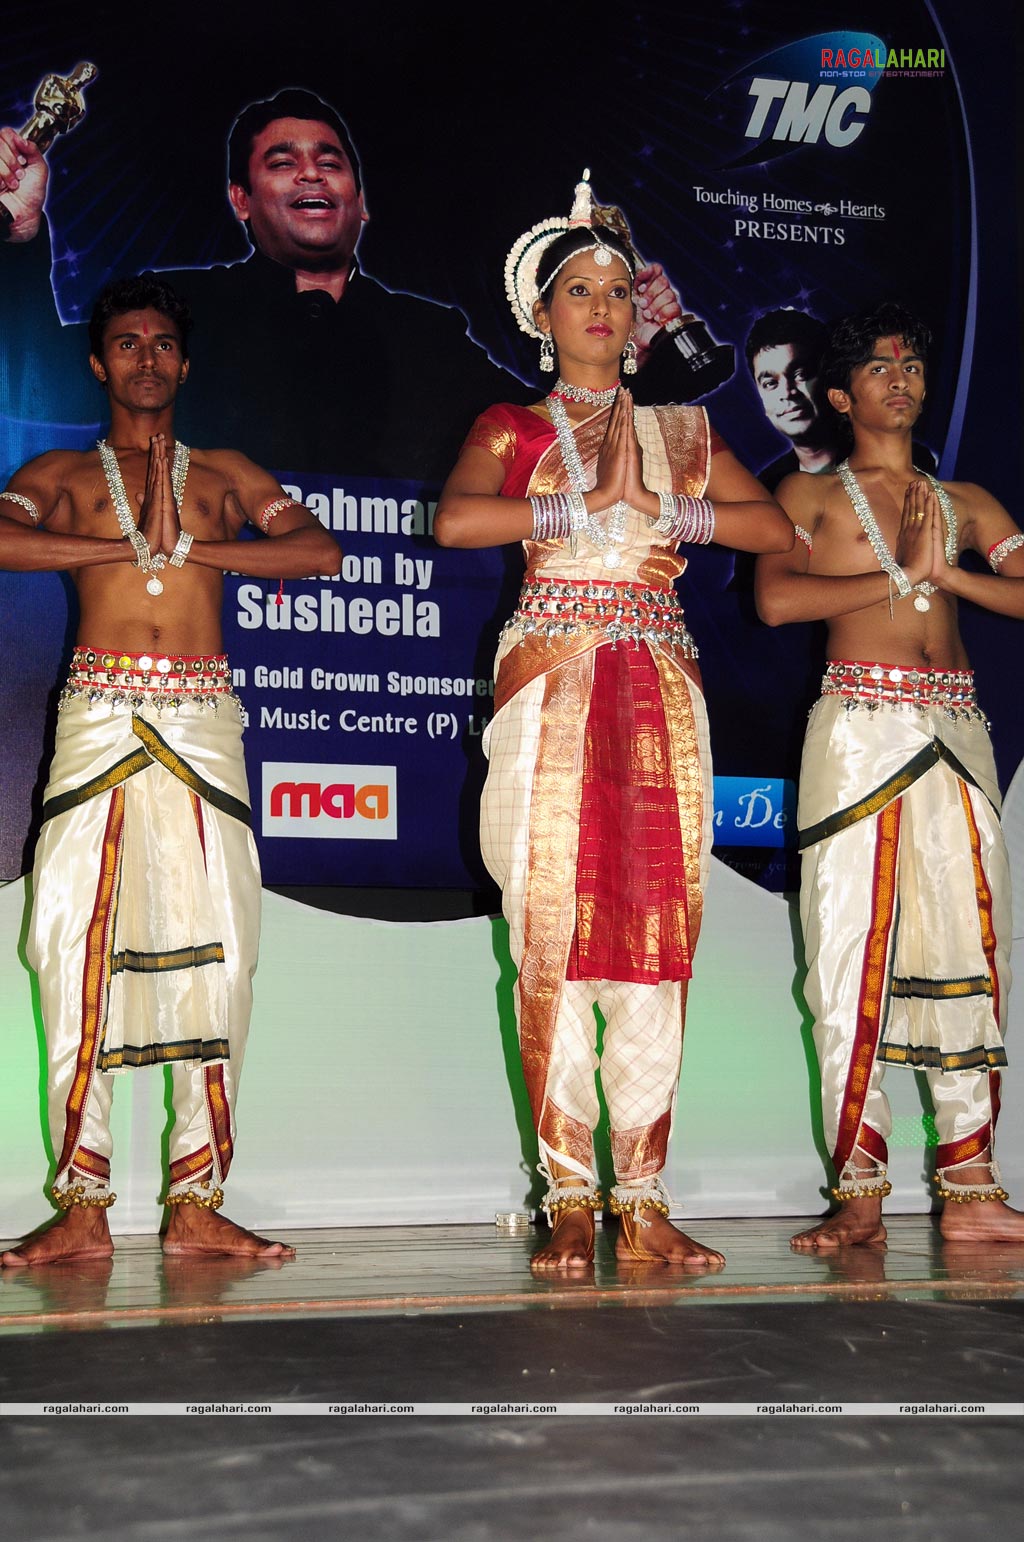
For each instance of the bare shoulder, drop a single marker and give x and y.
(62, 480)
(975, 505)
(222, 459)
(233, 468)
(805, 495)
(56, 468)
(223, 462)
(971, 495)
(982, 519)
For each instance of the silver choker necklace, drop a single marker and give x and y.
(123, 509)
(575, 393)
(876, 539)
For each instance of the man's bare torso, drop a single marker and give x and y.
(915, 638)
(116, 609)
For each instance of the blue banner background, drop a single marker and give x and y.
(707, 196)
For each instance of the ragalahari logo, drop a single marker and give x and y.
(851, 61)
(330, 802)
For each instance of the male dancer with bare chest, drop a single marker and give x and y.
(145, 918)
(905, 887)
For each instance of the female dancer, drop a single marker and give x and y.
(596, 814)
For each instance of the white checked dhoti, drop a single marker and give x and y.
(905, 910)
(145, 928)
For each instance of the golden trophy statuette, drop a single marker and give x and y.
(58, 105)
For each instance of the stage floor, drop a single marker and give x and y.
(442, 1320)
(475, 1268)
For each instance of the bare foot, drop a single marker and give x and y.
(981, 1220)
(571, 1245)
(857, 1220)
(662, 1242)
(81, 1232)
(196, 1230)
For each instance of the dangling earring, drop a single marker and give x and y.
(629, 358)
(547, 354)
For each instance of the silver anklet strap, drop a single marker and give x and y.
(963, 1193)
(647, 1194)
(569, 1194)
(862, 1183)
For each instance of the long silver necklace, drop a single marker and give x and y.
(123, 509)
(876, 539)
(607, 538)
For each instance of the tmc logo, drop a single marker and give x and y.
(791, 99)
(329, 802)
(804, 116)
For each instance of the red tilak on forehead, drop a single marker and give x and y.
(895, 348)
(145, 331)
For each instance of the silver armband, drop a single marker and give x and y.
(270, 511)
(24, 503)
(996, 557)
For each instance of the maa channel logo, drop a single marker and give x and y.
(329, 803)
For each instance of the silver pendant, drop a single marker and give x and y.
(154, 586)
(612, 559)
(920, 603)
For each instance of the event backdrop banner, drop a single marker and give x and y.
(781, 163)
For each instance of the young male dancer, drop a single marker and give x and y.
(906, 887)
(145, 919)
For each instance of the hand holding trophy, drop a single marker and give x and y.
(58, 106)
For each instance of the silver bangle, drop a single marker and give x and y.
(552, 516)
(666, 518)
(900, 579)
(182, 547)
(701, 512)
(578, 515)
(685, 519)
(140, 546)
